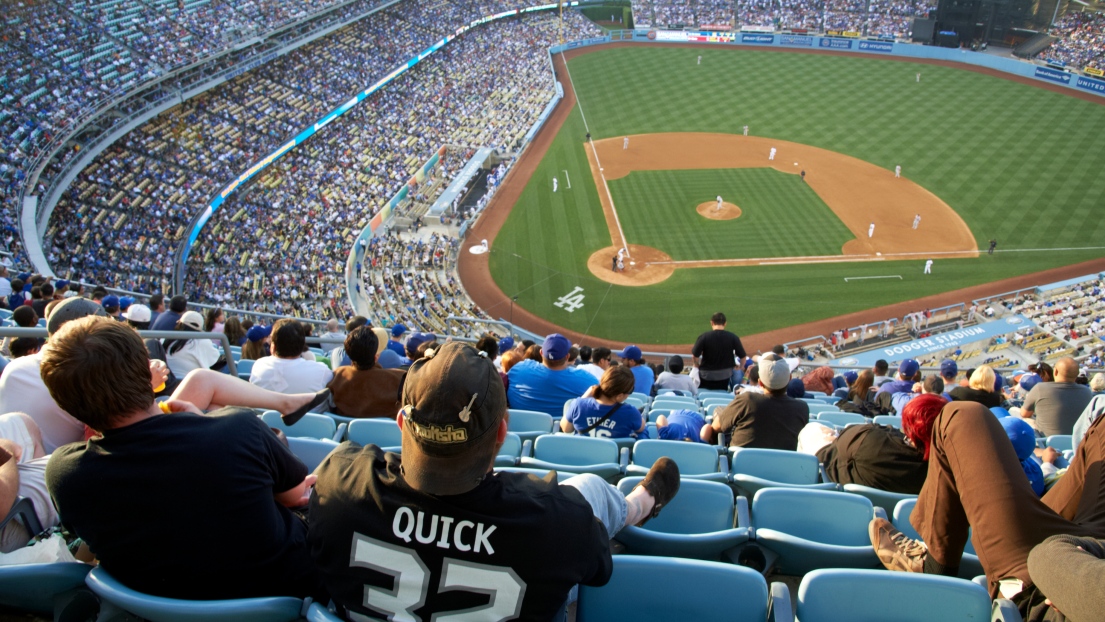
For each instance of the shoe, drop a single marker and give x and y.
(896, 551)
(293, 418)
(662, 482)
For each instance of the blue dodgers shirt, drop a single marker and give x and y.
(644, 378)
(587, 411)
(536, 387)
(682, 425)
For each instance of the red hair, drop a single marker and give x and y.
(918, 416)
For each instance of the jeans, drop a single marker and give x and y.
(607, 503)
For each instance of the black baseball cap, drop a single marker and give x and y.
(451, 400)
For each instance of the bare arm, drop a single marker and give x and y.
(9, 474)
(566, 426)
(708, 432)
(299, 496)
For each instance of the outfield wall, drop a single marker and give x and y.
(843, 44)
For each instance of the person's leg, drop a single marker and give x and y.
(975, 479)
(609, 506)
(1079, 495)
(614, 510)
(209, 390)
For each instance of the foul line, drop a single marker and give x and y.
(579, 103)
(860, 278)
(567, 178)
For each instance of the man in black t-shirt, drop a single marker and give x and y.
(433, 531)
(716, 352)
(768, 420)
(179, 505)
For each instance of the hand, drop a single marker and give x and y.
(159, 374)
(308, 485)
(180, 406)
(1050, 455)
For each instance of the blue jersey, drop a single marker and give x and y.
(683, 425)
(536, 387)
(586, 411)
(643, 376)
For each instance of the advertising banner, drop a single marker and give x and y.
(759, 39)
(1054, 75)
(853, 34)
(1094, 71)
(836, 44)
(799, 40)
(711, 37)
(767, 29)
(668, 35)
(876, 46)
(928, 345)
(1090, 84)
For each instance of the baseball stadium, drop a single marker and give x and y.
(826, 277)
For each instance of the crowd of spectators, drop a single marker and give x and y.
(877, 18)
(1081, 40)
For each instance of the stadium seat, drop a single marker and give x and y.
(703, 521)
(838, 595)
(382, 432)
(510, 451)
(1060, 442)
(711, 401)
(574, 454)
(638, 395)
(114, 594)
(714, 393)
(636, 400)
(318, 613)
(674, 402)
(311, 451)
(38, 588)
(529, 424)
(310, 426)
(752, 469)
(840, 419)
(810, 529)
(695, 460)
(969, 565)
(691, 590)
(245, 367)
(879, 498)
(893, 421)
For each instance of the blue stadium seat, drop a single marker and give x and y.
(840, 419)
(245, 367)
(752, 469)
(311, 451)
(810, 529)
(691, 590)
(382, 432)
(510, 451)
(695, 460)
(893, 421)
(1060, 442)
(837, 595)
(310, 426)
(640, 400)
(37, 588)
(713, 401)
(701, 522)
(969, 565)
(318, 613)
(529, 424)
(112, 593)
(674, 402)
(574, 454)
(879, 498)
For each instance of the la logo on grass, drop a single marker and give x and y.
(571, 301)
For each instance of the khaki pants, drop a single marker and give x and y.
(974, 479)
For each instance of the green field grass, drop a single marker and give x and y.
(657, 209)
(1021, 164)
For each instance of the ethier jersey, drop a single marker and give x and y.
(510, 549)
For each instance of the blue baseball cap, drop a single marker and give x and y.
(998, 381)
(948, 368)
(1030, 380)
(908, 368)
(398, 330)
(389, 359)
(257, 332)
(111, 300)
(506, 344)
(631, 353)
(417, 339)
(556, 347)
(850, 377)
(125, 302)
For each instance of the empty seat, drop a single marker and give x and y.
(382, 432)
(310, 426)
(893, 421)
(529, 424)
(701, 522)
(752, 469)
(811, 529)
(510, 451)
(695, 460)
(879, 498)
(969, 565)
(1060, 442)
(573, 454)
(840, 419)
(311, 451)
(245, 367)
(837, 595)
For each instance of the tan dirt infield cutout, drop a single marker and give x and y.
(640, 267)
(858, 192)
(709, 210)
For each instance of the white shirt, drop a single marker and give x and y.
(290, 375)
(593, 369)
(22, 390)
(196, 354)
(5, 287)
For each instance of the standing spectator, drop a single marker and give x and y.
(716, 353)
(285, 371)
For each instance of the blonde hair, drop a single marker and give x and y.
(983, 379)
(1097, 383)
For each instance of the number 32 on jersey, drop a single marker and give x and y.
(412, 582)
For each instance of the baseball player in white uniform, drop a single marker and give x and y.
(746, 130)
(718, 208)
(916, 221)
(699, 60)
(621, 253)
(483, 243)
(928, 266)
(625, 143)
(554, 182)
(771, 155)
(898, 171)
(871, 231)
(918, 76)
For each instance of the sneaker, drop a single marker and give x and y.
(662, 482)
(896, 551)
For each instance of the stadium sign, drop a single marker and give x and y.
(1053, 74)
(760, 39)
(943, 341)
(876, 46)
(836, 44)
(1090, 84)
(799, 40)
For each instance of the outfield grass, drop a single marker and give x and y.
(657, 209)
(1021, 164)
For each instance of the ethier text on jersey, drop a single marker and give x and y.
(465, 536)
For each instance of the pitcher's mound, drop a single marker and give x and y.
(638, 267)
(709, 210)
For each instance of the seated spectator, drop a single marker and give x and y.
(184, 355)
(768, 420)
(234, 331)
(908, 373)
(510, 528)
(338, 357)
(631, 356)
(602, 411)
(202, 480)
(395, 343)
(820, 379)
(796, 388)
(976, 482)
(545, 386)
(599, 362)
(363, 389)
(332, 332)
(859, 396)
(675, 380)
(285, 370)
(25, 346)
(258, 342)
(1057, 405)
(849, 380)
(490, 346)
(981, 388)
(949, 370)
(680, 425)
(1023, 438)
(24, 317)
(22, 474)
(167, 320)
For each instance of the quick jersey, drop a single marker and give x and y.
(510, 549)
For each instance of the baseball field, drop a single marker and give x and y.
(983, 157)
